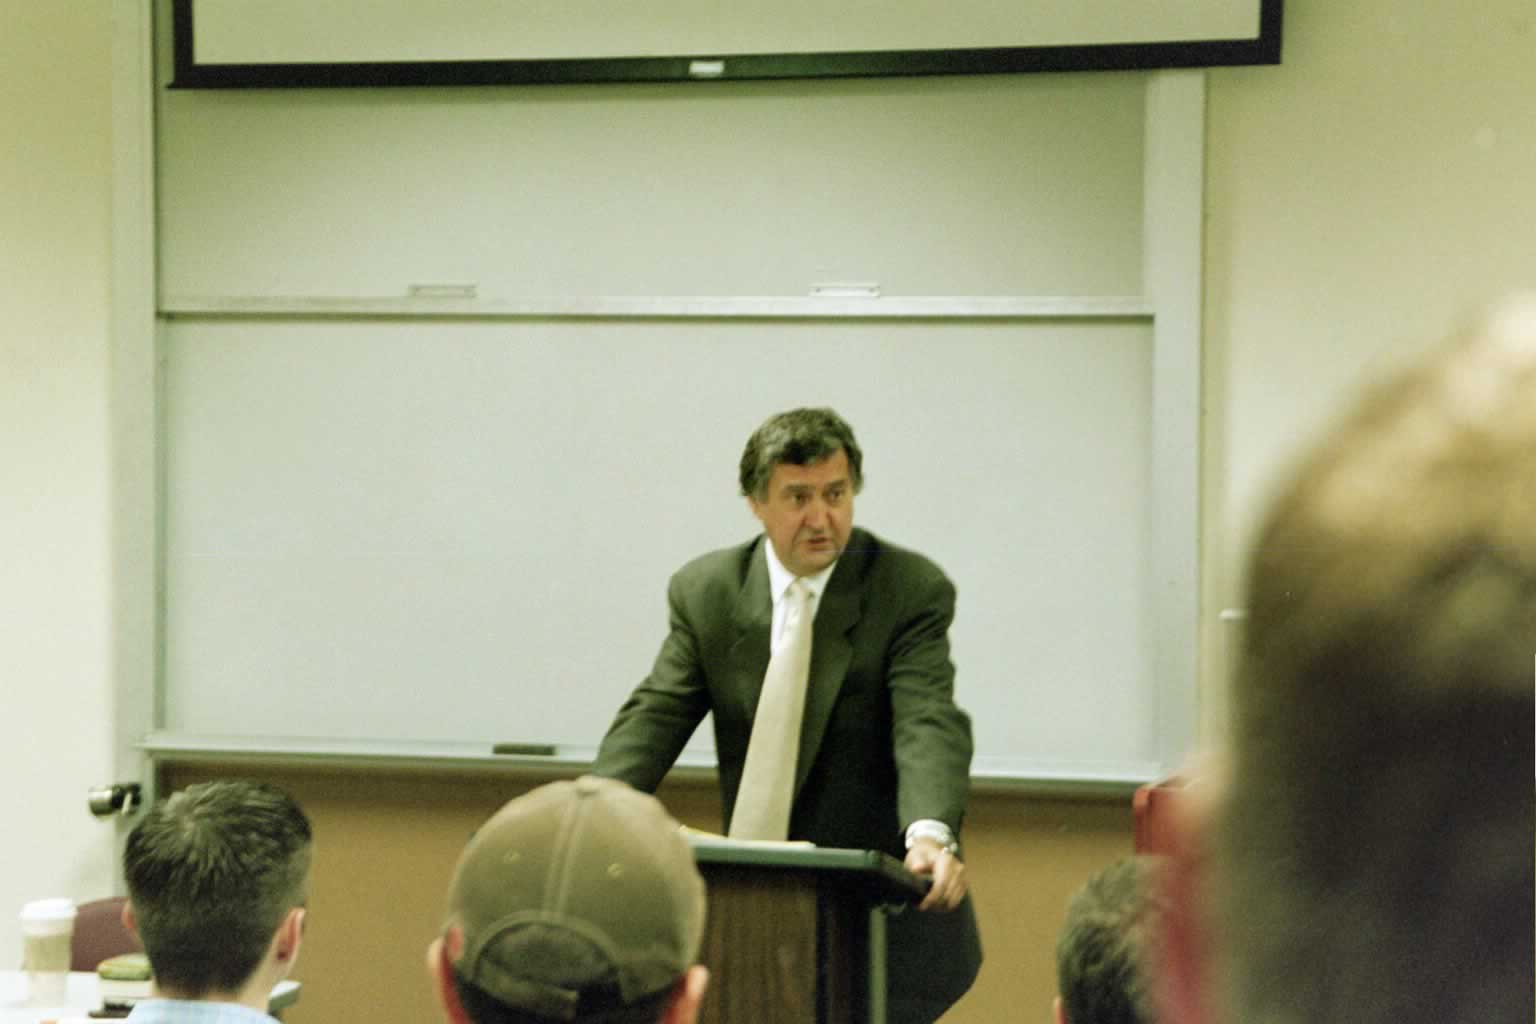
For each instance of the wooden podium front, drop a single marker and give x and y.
(792, 934)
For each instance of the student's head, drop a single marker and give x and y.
(1105, 943)
(216, 879)
(1373, 854)
(579, 902)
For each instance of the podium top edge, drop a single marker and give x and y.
(875, 868)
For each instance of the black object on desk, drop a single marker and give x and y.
(524, 749)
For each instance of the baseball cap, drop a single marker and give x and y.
(577, 897)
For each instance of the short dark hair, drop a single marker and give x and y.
(1105, 945)
(597, 1007)
(211, 872)
(798, 437)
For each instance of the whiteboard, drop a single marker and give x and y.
(413, 341)
(949, 186)
(425, 531)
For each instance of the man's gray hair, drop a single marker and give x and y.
(1107, 944)
(798, 437)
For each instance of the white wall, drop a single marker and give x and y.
(1361, 199)
(55, 481)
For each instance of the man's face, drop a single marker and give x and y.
(807, 512)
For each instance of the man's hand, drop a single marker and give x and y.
(927, 857)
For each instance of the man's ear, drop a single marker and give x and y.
(440, 967)
(1189, 946)
(1058, 1012)
(130, 922)
(687, 996)
(290, 936)
(755, 508)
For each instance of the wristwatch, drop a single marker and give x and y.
(932, 828)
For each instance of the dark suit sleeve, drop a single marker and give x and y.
(656, 721)
(930, 735)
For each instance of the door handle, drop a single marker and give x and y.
(119, 798)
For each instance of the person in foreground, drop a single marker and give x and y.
(823, 652)
(217, 876)
(1104, 950)
(578, 902)
(1371, 857)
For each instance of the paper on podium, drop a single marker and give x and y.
(713, 840)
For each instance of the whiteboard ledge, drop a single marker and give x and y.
(764, 307)
(992, 774)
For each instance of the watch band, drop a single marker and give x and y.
(931, 828)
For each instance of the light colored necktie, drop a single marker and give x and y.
(768, 777)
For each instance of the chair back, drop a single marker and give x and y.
(99, 934)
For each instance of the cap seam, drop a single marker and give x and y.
(558, 884)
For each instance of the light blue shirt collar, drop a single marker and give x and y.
(190, 1011)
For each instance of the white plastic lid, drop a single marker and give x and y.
(48, 917)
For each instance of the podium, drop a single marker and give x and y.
(795, 934)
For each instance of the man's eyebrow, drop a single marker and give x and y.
(801, 488)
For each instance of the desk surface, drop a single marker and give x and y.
(83, 994)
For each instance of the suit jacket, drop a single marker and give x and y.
(882, 742)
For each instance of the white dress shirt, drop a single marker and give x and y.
(779, 581)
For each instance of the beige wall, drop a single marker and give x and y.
(55, 520)
(1361, 198)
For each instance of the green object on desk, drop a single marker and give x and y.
(125, 967)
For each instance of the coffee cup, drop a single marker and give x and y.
(47, 927)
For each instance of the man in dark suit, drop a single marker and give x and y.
(884, 753)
